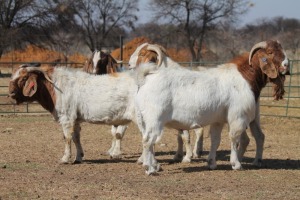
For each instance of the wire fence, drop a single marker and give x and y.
(288, 107)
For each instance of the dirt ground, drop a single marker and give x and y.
(31, 147)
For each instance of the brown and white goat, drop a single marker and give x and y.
(184, 99)
(154, 53)
(73, 96)
(102, 63)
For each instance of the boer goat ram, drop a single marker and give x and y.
(73, 96)
(226, 94)
(102, 63)
(153, 53)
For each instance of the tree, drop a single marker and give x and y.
(100, 19)
(15, 17)
(195, 17)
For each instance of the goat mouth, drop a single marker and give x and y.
(13, 99)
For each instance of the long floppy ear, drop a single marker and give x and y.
(30, 87)
(111, 64)
(267, 66)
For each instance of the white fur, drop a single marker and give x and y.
(102, 99)
(183, 135)
(215, 97)
(117, 132)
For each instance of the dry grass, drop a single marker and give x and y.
(32, 145)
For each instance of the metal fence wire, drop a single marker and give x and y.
(288, 107)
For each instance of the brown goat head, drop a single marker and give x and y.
(30, 84)
(100, 63)
(270, 57)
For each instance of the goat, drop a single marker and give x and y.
(102, 63)
(226, 94)
(73, 96)
(153, 53)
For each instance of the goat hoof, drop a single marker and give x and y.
(77, 162)
(212, 164)
(153, 170)
(237, 166)
(186, 160)
(177, 158)
(197, 154)
(257, 162)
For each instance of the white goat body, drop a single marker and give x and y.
(103, 63)
(154, 53)
(77, 96)
(184, 99)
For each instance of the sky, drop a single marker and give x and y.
(260, 9)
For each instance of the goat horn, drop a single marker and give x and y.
(119, 61)
(157, 49)
(260, 45)
(30, 69)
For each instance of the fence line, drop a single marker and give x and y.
(289, 107)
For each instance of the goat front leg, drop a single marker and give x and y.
(236, 130)
(215, 137)
(68, 132)
(149, 162)
(118, 133)
(198, 148)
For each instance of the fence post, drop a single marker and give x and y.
(289, 89)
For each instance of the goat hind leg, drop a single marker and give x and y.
(76, 140)
(179, 153)
(198, 148)
(117, 133)
(243, 144)
(188, 147)
(259, 139)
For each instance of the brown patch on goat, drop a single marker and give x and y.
(44, 94)
(147, 56)
(106, 65)
(272, 55)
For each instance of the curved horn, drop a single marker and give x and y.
(260, 45)
(119, 61)
(157, 49)
(30, 69)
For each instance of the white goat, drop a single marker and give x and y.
(73, 96)
(228, 93)
(103, 63)
(153, 53)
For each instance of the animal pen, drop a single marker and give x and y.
(288, 107)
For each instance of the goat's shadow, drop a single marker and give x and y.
(125, 158)
(274, 164)
(223, 155)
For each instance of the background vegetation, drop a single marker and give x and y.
(207, 29)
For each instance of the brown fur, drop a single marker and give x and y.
(106, 65)
(44, 94)
(146, 56)
(264, 68)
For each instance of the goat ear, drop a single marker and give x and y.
(30, 87)
(267, 67)
(111, 64)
